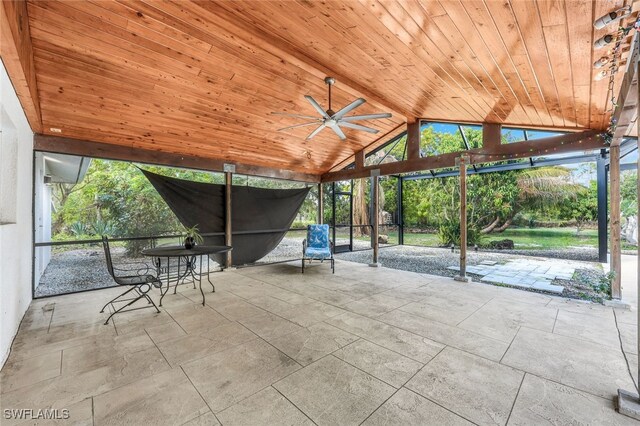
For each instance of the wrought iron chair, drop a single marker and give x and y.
(141, 283)
(318, 246)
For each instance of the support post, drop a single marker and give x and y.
(320, 203)
(228, 177)
(491, 135)
(375, 242)
(400, 210)
(462, 164)
(628, 401)
(413, 139)
(601, 180)
(359, 159)
(614, 222)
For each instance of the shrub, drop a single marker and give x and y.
(101, 227)
(449, 233)
(78, 229)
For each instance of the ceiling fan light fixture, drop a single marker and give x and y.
(332, 119)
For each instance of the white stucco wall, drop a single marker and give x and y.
(15, 228)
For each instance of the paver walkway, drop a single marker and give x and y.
(524, 273)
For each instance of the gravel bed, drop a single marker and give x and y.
(583, 254)
(426, 260)
(77, 270)
(585, 284)
(85, 269)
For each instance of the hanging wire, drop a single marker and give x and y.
(616, 53)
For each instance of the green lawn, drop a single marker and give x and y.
(523, 238)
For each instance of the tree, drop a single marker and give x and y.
(583, 208)
(629, 194)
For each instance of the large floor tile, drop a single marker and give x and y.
(584, 365)
(311, 344)
(447, 335)
(194, 318)
(408, 408)
(598, 329)
(237, 310)
(166, 398)
(23, 372)
(541, 401)
(445, 314)
(312, 313)
(78, 414)
(271, 304)
(119, 350)
(501, 319)
(269, 326)
(206, 419)
(375, 305)
(267, 407)
(225, 378)
(401, 341)
(65, 390)
(477, 389)
(382, 363)
(194, 346)
(332, 392)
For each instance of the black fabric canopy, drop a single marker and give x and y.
(260, 217)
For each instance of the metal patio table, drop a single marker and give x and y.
(175, 264)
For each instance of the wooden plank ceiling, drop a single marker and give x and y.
(202, 77)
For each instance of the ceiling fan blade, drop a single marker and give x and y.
(316, 131)
(367, 116)
(316, 106)
(300, 125)
(339, 132)
(358, 127)
(351, 106)
(295, 115)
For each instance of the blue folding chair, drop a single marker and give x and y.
(318, 246)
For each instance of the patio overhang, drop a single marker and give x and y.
(149, 77)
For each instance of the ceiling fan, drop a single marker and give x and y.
(334, 120)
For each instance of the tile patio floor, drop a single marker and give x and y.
(366, 346)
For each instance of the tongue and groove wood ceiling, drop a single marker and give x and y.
(202, 77)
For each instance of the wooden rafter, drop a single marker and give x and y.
(16, 52)
(87, 148)
(581, 141)
(625, 113)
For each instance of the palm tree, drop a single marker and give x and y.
(540, 188)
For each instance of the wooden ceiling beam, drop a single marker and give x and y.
(587, 140)
(16, 52)
(627, 99)
(88, 148)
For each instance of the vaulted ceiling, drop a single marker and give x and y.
(203, 77)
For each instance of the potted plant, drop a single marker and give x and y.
(192, 237)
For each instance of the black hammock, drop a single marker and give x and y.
(260, 217)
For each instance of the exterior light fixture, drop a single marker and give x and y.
(603, 41)
(55, 130)
(601, 62)
(453, 247)
(610, 17)
(601, 75)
